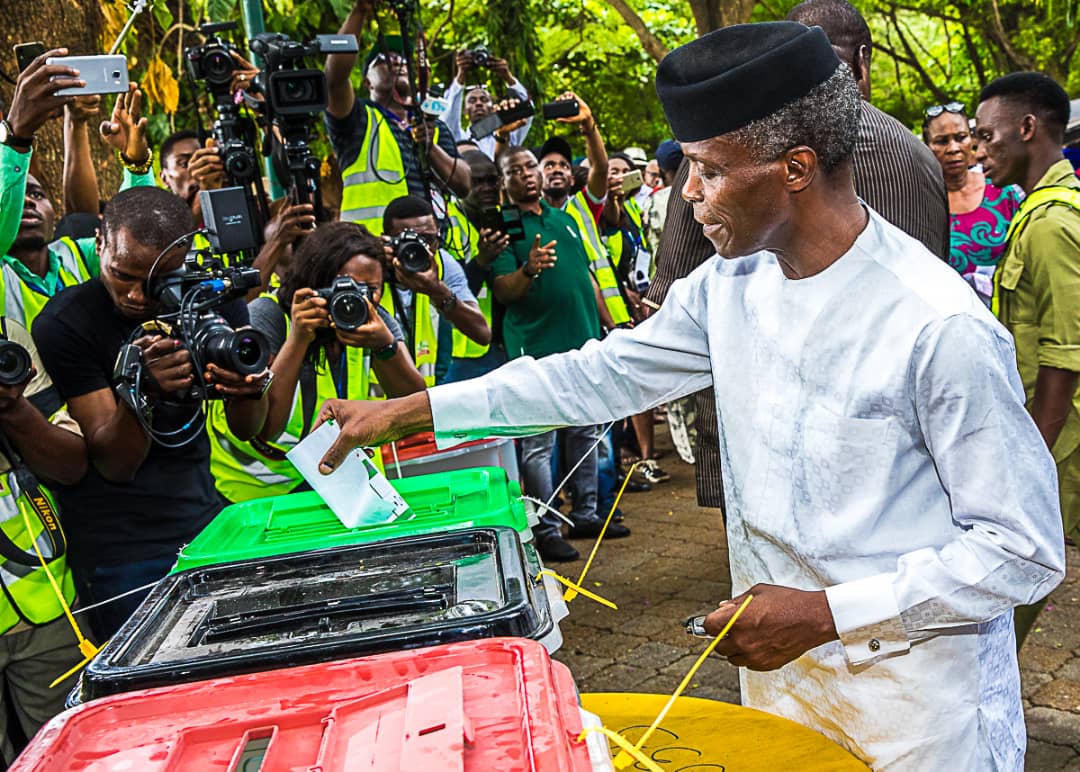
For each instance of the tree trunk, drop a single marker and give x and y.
(76, 25)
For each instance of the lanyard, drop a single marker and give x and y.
(341, 383)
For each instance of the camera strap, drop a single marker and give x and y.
(308, 396)
(39, 504)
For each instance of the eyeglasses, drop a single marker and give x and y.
(933, 111)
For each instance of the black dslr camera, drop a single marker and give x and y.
(412, 251)
(347, 302)
(212, 62)
(481, 56)
(15, 364)
(189, 299)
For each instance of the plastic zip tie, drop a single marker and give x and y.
(625, 759)
(576, 588)
(86, 647)
(570, 594)
(550, 509)
(624, 744)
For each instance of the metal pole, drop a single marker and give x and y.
(254, 23)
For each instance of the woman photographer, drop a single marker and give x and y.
(315, 358)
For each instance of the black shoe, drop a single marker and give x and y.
(554, 549)
(591, 530)
(634, 486)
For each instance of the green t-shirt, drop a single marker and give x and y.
(559, 312)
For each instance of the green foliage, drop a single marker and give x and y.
(926, 51)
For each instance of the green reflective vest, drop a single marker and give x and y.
(376, 177)
(29, 594)
(424, 334)
(257, 469)
(26, 293)
(599, 262)
(1008, 273)
(463, 242)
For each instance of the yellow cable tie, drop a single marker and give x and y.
(59, 592)
(623, 743)
(575, 588)
(570, 594)
(625, 759)
(71, 672)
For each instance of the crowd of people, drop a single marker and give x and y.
(529, 252)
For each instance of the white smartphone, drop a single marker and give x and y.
(103, 73)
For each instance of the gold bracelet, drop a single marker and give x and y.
(133, 167)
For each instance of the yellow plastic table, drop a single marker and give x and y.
(708, 736)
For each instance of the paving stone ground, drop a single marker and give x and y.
(674, 565)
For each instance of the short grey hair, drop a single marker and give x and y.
(826, 120)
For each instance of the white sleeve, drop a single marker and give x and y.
(664, 358)
(1002, 487)
(454, 97)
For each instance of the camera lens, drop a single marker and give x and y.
(239, 164)
(248, 352)
(349, 310)
(414, 256)
(214, 342)
(218, 67)
(116, 74)
(14, 363)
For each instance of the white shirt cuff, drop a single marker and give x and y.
(460, 412)
(867, 619)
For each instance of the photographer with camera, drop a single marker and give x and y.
(328, 334)
(142, 497)
(379, 141)
(428, 287)
(38, 442)
(35, 267)
(476, 101)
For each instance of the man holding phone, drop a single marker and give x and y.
(478, 104)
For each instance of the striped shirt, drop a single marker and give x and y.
(894, 173)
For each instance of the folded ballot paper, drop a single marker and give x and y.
(356, 491)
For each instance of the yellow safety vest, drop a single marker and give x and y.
(251, 470)
(463, 242)
(425, 335)
(376, 177)
(25, 293)
(1008, 272)
(599, 262)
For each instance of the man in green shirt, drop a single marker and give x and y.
(1020, 127)
(551, 307)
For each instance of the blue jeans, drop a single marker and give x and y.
(537, 480)
(465, 369)
(103, 582)
(605, 476)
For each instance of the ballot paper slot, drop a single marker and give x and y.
(319, 606)
(321, 616)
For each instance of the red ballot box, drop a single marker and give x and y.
(495, 704)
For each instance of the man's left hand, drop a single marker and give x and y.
(9, 395)
(423, 282)
(126, 131)
(423, 133)
(780, 625)
(236, 386)
(501, 68)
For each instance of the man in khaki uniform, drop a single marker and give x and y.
(1020, 127)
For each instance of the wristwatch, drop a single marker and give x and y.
(446, 305)
(9, 138)
(387, 351)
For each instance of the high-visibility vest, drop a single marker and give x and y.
(376, 177)
(463, 242)
(1007, 275)
(26, 293)
(615, 242)
(251, 470)
(423, 337)
(599, 262)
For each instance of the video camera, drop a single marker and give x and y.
(294, 96)
(189, 299)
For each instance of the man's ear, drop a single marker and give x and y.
(800, 167)
(1029, 124)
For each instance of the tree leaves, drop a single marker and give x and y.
(160, 86)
